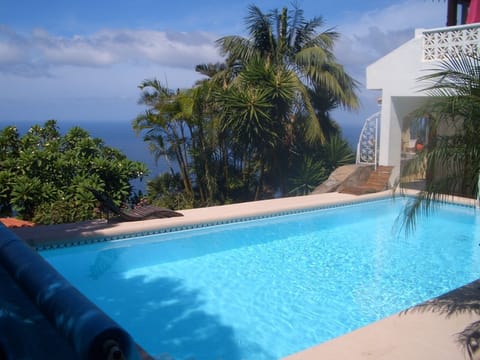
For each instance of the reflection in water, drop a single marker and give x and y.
(103, 262)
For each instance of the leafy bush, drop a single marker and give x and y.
(46, 177)
(166, 190)
(62, 211)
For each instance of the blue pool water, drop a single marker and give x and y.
(264, 289)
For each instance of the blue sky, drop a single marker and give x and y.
(82, 60)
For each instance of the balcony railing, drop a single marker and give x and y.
(441, 43)
(367, 147)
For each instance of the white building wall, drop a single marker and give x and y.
(396, 75)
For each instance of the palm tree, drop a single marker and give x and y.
(287, 39)
(167, 125)
(183, 126)
(452, 157)
(337, 152)
(291, 64)
(250, 106)
(308, 175)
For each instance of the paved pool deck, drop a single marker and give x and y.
(415, 335)
(43, 236)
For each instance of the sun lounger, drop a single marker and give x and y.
(139, 213)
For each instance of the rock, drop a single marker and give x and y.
(345, 176)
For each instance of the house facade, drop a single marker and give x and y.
(402, 131)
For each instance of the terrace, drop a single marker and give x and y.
(411, 335)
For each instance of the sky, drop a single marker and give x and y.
(79, 61)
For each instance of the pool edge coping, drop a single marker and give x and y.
(45, 237)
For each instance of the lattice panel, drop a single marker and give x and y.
(367, 143)
(439, 44)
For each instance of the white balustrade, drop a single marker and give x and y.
(438, 44)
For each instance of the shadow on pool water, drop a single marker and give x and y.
(167, 320)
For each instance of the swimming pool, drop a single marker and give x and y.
(267, 288)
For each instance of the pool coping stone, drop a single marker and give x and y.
(43, 237)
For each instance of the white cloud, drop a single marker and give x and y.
(110, 63)
(357, 51)
(371, 35)
(408, 14)
(38, 53)
(366, 37)
(9, 53)
(84, 93)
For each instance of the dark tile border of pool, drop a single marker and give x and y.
(92, 240)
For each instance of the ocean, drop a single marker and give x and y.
(120, 135)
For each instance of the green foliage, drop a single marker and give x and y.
(285, 39)
(308, 174)
(337, 152)
(167, 125)
(45, 176)
(451, 158)
(64, 211)
(241, 132)
(287, 64)
(312, 169)
(26, 195)
(166, 190)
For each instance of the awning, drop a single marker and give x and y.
(473, 12)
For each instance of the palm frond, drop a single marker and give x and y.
(259, 27)
(295, 23)
(329, 76)
(313, 131)
(325, 39)
(236, 48)
(451, 160)
(455, 76)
